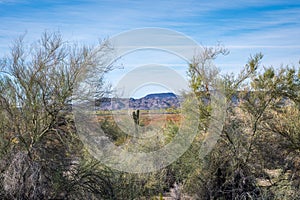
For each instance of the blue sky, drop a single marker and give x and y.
(244, 27)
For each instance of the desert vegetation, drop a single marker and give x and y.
(41, 156)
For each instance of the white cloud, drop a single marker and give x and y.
(274, 32)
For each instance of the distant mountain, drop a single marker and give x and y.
(149, 102)
(161, 95)
(162, 101)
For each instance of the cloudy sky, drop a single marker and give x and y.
(244, 27)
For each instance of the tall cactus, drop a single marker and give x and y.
(136, 117)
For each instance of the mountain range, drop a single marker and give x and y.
(157, 101)
(149, 102)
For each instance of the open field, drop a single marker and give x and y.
(147, 117)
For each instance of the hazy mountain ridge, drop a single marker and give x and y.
(149, 102)
(159, 101)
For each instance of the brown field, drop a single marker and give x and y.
(146, 117)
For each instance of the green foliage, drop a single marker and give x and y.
(39, 145)
(112, 130)
(41, 156)
(260, 134)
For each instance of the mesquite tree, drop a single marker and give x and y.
(38, 140)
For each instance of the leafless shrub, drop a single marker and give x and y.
(175, 192)
(23, 178)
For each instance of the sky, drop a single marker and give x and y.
(244, 27)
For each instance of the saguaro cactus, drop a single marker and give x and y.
(136, 117)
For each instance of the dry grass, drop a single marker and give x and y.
(157, 119)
